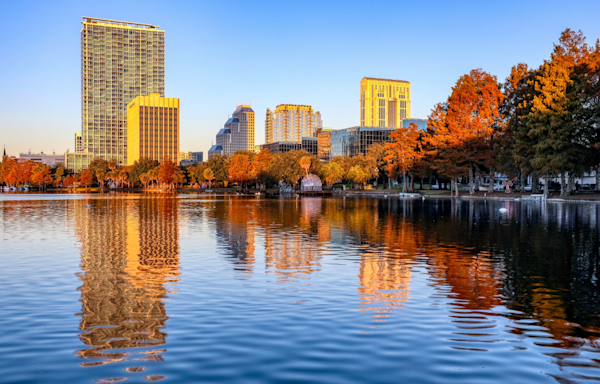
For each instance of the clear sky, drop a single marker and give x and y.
(223, 53)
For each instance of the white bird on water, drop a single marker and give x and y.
(502, 210)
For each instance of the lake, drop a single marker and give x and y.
(208, 288)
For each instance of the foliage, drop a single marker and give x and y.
(260, 168)
(86, 178)
(332, 172)
(240, 169)
(357, 175)
(461, 128)
(404, 151)
(220, 166)
(141, 166)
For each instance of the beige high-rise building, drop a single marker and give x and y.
(119, 61)
(384, 103)
(291, 122)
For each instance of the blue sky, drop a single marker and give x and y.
(220, 53)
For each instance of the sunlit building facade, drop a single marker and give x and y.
(357, 140)
(119, 61)
(153, 128)
(384, 102)
(291, 122)
(237, 134)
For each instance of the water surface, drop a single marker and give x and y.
(193, 288)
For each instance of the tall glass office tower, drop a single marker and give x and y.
(119, 61)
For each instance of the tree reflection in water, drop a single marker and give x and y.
(538, 261)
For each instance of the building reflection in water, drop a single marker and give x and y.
(292, 238)
(234, 226)
(130, 260)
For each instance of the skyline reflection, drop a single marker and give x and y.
(130, 261)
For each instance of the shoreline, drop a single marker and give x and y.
(423, 194)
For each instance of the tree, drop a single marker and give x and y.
(240, 170)
(42, 177)
(98, 165)
(459, 126)
(144, 179)
(286, 166)
(377, 151)
(305, 163)
(6, 167)
(331, 173)
(209, 175)
(561, 124)
(166, 173)
(260, 168)
(220, 166)
(86, 178)
(68, 181)
(59, 172)
(403, 151)
(143, 165)
(357, 175)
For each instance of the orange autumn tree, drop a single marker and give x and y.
(166, 173)
(240, 170)
(42, 177)
(461, 127)
(86, 178)
(403, 151)
(68, 181)
(260, 168)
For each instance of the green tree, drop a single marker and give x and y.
(220, 166)
(141, 166)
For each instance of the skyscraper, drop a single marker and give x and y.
(153, 128)
(384, 102)
(237, 134)
(290, 122)
(119, 61)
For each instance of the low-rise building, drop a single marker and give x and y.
(78, 161)
(309, 144)
(421, 123)
(355, 141)
(190, 158)
(50, 160)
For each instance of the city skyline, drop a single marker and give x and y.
(485, 42)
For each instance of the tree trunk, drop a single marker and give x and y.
(411, 186)
(563, 185)
(477, 182)
(597, 178)
(534, 182)
(546, 185)
(571, 183)
(522, 181)
(404, 182)
(471, 182)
